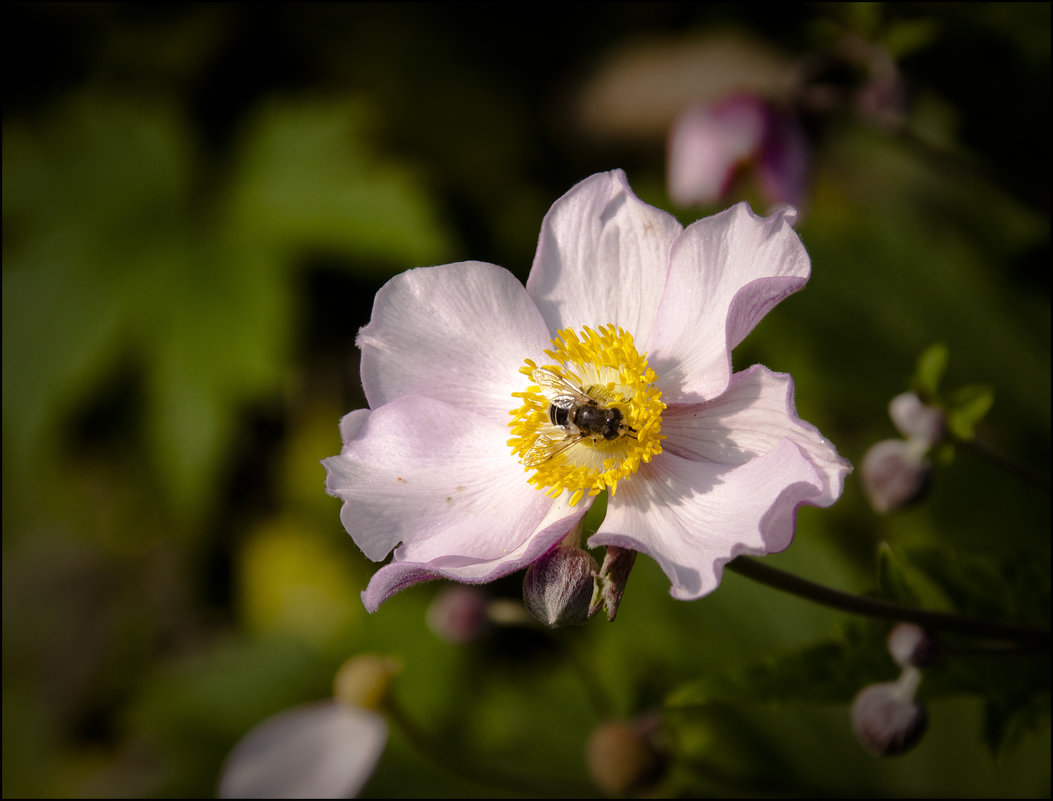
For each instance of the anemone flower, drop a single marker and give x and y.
(498, 412)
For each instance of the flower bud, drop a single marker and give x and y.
(916, 420)
(458, 614)
(363, 681)
(611, 581)
(557, 588)
(912, 646)
(885, 717)
(895, 472)
(622, 757)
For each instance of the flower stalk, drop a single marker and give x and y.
(1024, 636)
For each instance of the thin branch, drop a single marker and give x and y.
(787, 582)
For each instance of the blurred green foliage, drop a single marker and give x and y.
(199, 203)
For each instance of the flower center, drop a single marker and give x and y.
(591, 418)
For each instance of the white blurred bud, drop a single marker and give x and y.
(558, 587)
(912, 646)
(916, 420)
(364, 680)
(885, 717)
(894, 473)
(459, 613)
(320, 750)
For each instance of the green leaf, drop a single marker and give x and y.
(929, 370)
(87, 190)
(310, 176)
(117, 259)
(825, 672)
(907, 36)
(1011, 587)
(966, 407)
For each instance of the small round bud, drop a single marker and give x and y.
(885, 717)
(363, 681)
(458, 614)
(557, 588)
(916, 420)
(912, 646)
(895, 472)
(621, 757)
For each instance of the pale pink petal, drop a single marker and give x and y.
(708, 143)
(322, 750)
(727, 272)
(441, 484)
(751, 418)
(400, 574)
(430, 476)
(602, 258)
(692, 517)
(457, 333)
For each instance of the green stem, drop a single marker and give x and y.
(1021, 471)
(787, 582)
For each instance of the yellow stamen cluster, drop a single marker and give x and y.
(604, 368)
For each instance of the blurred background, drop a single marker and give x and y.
(199, 203)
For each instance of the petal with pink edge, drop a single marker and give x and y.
(602, 258)
(400, 573)
(750, 419)
(693, 517)
(432, 477)
(727, 271)
(457, 333)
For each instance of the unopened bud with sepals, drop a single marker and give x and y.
(558, 587)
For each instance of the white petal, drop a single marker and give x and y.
(750, 419)
(402, 573)
(692, 517)
(727, 271)
(602, 258)
(322, 750)
(437, 479)
(457, 333)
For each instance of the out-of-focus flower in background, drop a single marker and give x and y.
(322, 750)
(326, 749)
(886, 717)
(712, 144)
(896, 472)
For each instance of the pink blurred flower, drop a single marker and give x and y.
(711, 143)
(640, 316)
(896, 472)
(887, 718)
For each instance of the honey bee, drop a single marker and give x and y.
(579, 414)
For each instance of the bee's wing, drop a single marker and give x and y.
(545, 447)
(558, 390)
